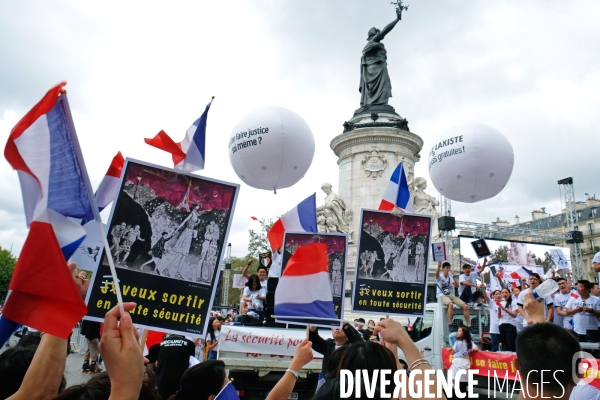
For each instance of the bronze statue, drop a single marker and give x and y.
(375, 85)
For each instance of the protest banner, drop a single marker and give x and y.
(168, 231)
(438, 251)
(239, 281)
(263, 340)
(265, 259)
(337, 244)
(392, 263)
(503, 365)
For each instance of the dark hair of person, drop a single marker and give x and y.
(467, 336)
(367, 355)
(535, 275)
(560, 278)
(253, 282)
(509, 300)
(211, 331)
(404, 363)
(201, 381)
(261, 267)
(98, 388)
(547, 346)
(14, 363)
(465, 266)
(333, 363)
(586, 284)
(446, 264)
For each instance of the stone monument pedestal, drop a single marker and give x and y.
(368, 151)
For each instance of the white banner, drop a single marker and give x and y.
(272, 341)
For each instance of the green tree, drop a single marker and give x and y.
(7, 266)
(499, 255)
(237, 266)
(258, 242)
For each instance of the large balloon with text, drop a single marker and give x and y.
(470, 162)
(271, 148)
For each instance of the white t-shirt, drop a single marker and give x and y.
(471, 278)
(255, 302)
(505, 317)
(494, 321)
(460, 349)
(276, 260)
(263, 284)
(560, 300)
(443, 282)
(583, 321)
(521, 300)
(584, 391)
(209, 337)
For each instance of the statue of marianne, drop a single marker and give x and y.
(375, 85)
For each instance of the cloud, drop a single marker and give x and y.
(529, 69)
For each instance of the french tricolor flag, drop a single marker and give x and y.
(189, 154)
(304, 289)
(110, 183)
(42, 149)
(397, 193)
(521, 273)
(302, 218)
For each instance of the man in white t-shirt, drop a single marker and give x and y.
(560, 301)
(446, 283)
(534, 282)
(584, 309)
(467, 285)
(261, 271)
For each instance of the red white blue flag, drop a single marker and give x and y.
(40, 147)
(304, 289)
(110, 183)
(397, 193)
(189, 154)
(302, 218)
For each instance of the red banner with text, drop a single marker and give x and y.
(503, 364)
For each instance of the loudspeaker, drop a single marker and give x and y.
(446, 223)
(577, 237)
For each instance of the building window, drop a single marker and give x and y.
(593, 213)
(591, 227)
(591, 245)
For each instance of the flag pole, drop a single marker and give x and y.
(92, 197)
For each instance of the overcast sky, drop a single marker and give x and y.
(528, 68)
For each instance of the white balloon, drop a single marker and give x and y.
(271, 148)
(470, 162)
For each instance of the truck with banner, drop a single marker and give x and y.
(257, 357)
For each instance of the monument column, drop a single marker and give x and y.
(368, 151)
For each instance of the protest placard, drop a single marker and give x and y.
(336, 253)
(168, 231)
(438, 251)
(392, 263)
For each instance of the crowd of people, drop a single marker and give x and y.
(547, 339)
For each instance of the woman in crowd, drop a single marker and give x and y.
(508, 321)
(516, 291)
(212, 337)
(371, 326)
(494, 317)
(463, 346)
(255, 295)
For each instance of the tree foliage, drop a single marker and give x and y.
(258, 242)
(499, 255)
(7, 266)
(237, 266)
